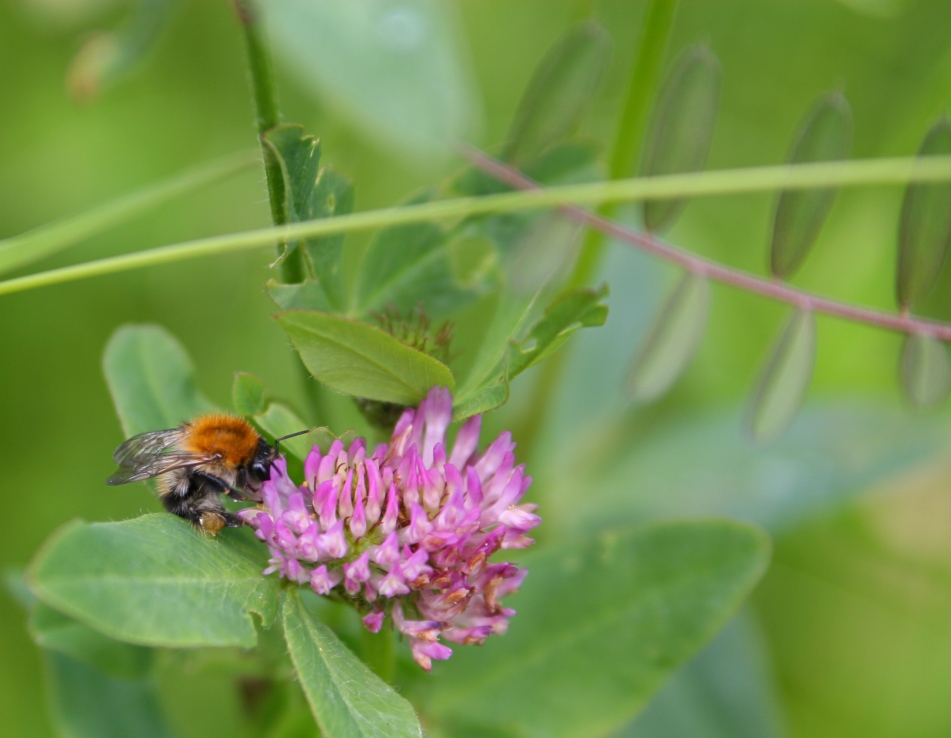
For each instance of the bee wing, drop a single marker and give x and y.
(147, 467)
(150, 454)
(146, 444)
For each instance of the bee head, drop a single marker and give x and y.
(260, 467)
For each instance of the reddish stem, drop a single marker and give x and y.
(801, 299)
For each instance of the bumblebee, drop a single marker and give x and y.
(196, 463)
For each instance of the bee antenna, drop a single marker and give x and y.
(277, 441)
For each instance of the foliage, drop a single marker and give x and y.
(655, 533)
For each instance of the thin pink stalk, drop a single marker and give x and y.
(801, 299)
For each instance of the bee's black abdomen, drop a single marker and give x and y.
(199, 504)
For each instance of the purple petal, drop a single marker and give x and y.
(311, 466)
(334, 541)
(437, 415)
(374, 621)
(467, 439)
(322, 580)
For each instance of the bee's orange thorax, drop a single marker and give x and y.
(230, 437)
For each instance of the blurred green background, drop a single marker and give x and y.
(852, 626)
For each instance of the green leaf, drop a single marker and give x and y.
(925, 370)
(306, 295)
(581, 308)
(361, 360)
(726, 691)
(831, 454)
(109, 57)
(394, 70)
(924, 233)
(672, 340)
(323, 438)
(487, 398)
(681, 128)
(784, 379)
(825, 135)
(151, 379)
(561, 90)
(511, 314)
(347, 699)
(155, 581)
(298, 157)
(14, 581)
(333, 195)
(86, 703)
(632, 606)
(409, 265)
(544, 253)
(57, 632)
(310, 193)
(247, 394)
(279, 420)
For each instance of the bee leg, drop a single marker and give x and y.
(211, 514)
(183, 507)
(220, 485)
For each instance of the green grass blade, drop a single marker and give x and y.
(46, 240)
(695, 184)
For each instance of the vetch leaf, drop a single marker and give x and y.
(85, 703)
(785, 377)
(279, 420)
(151, 379)
(924, 232)
(826, 135)
(362, 360)
(57, 632)
(393, 67)
(681, 128)
(347, 699)
(581, 308)
(561, 90)
(154, 581)
(633, 605)
(672, 340)
(247, 394)
(925, 370)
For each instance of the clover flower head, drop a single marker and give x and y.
(407, 530)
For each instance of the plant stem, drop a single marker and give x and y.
(642, 86)
(717, 182)
(51, 238)
(705, 268)
(268, 116)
